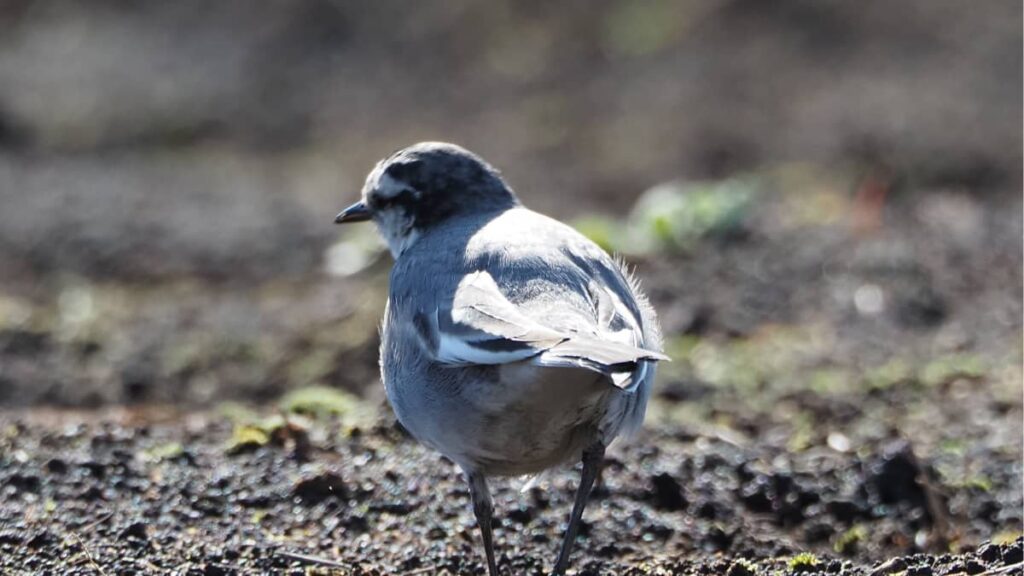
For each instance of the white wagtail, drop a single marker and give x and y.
(510, 342)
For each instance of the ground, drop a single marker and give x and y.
(844, 398)
(159, 494)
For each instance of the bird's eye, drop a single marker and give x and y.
(385, 202)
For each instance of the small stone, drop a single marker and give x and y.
(56, 466)
(24, 482)
(1014, 553)
(955, 567)
(834, 567)
(756, 495)
(667, 493)
(890, 566)
(316, 489)
(134, 531)
(214, 570)
(42, 539)
(989, 553)
(521, 515)
(974, 567)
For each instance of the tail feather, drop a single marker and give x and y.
(618, 361)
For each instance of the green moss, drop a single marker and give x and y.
(320, 401)
(849, 541)
(803, 562)
(953, 446)
(893, 372)
(802, 437)
(828, 380)
(980, 482)
(742, 567)
(166, 451)
(247, 437)
(674, 217)
(1007, 537)
(945, 369)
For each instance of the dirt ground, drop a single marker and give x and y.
(139, 497)
(802, 428)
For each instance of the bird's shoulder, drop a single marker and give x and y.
(524, 241)
(546, 268)
(519, 248)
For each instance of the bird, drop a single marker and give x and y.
(510, 342)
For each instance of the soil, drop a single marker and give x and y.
(801, 429)
(162, 494)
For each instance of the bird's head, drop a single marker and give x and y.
(423, 186)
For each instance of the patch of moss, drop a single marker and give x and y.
(802, 437)
(1007, 537)
(849, 541)
(889, 374)
(953, 446)
(742, 567)
(803, 562)
(978, 482)
(246, 438)
(828, 380)
(320, 401)
(166, 451)
(948, 368)
(675, 216)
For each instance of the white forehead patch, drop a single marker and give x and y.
(388, 187)
(381, 184)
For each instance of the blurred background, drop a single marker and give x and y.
(169, 171)
(823, 199)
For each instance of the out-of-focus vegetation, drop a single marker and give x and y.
(673, 216)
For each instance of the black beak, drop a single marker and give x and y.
(354, 213)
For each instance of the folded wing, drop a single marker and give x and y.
(483, 327)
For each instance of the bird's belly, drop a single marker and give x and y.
(505, 420)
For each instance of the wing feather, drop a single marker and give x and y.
(483, 327)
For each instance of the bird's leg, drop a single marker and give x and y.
(592, 458)
(483, 509)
